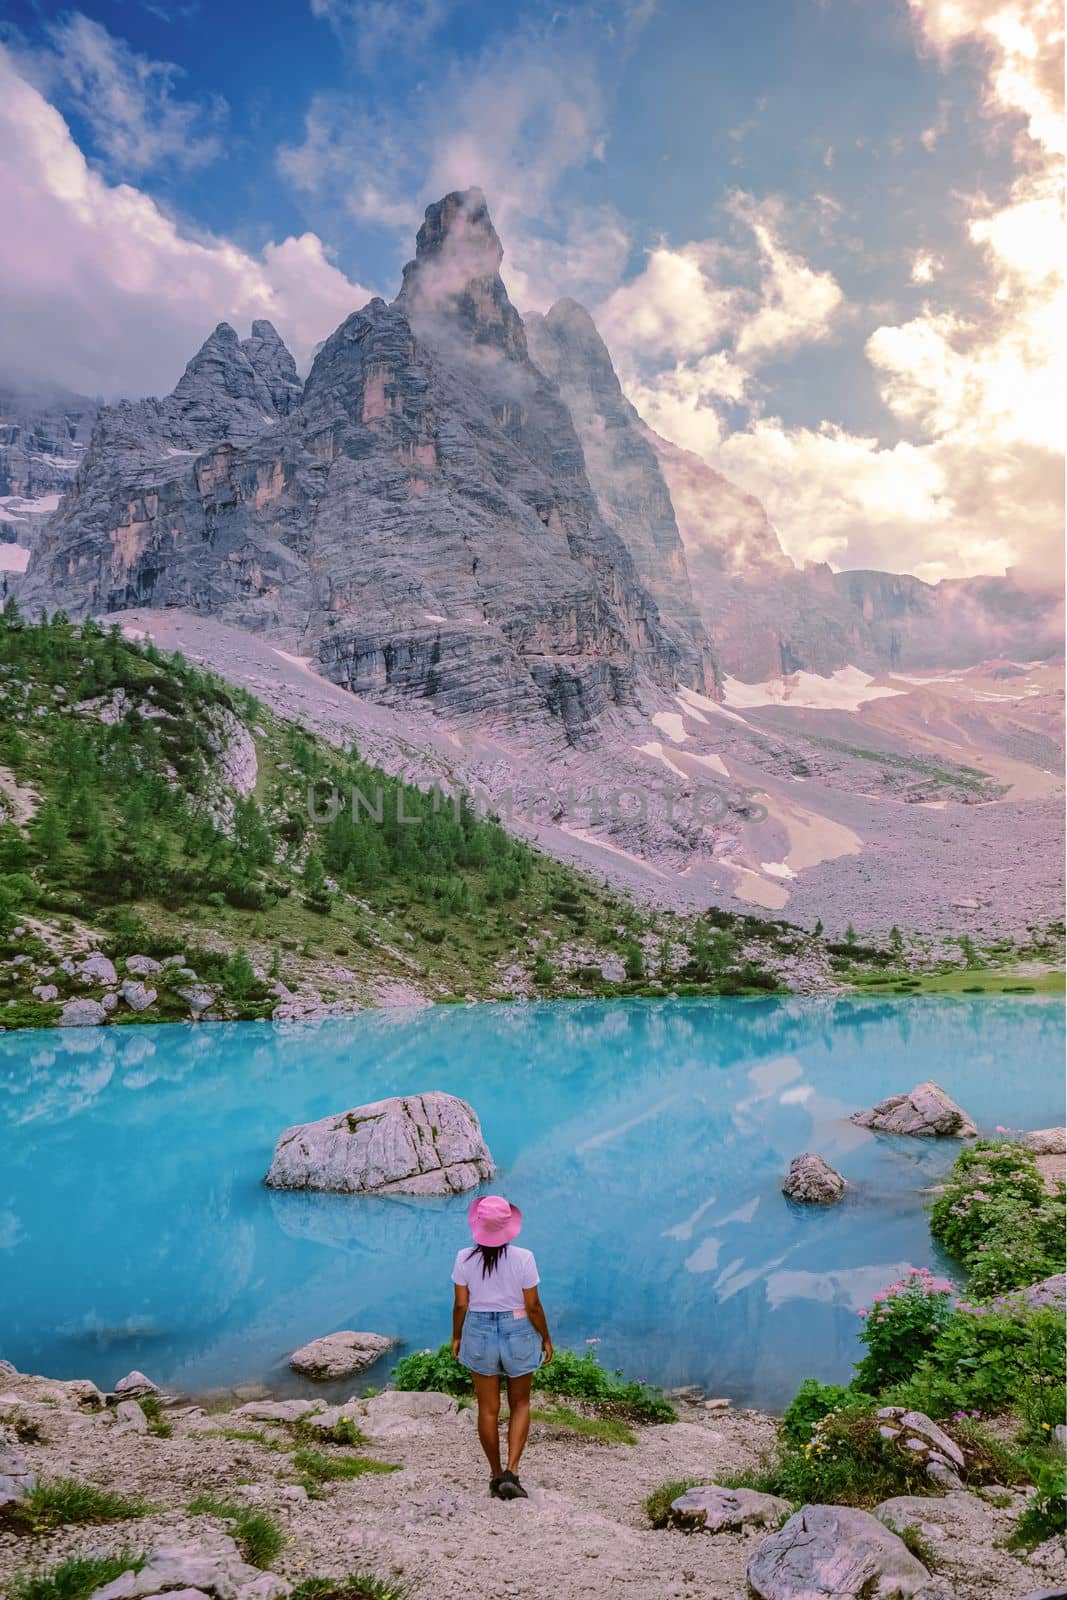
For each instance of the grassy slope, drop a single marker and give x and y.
(126, 844)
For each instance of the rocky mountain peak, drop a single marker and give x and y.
(453, 286)
(221, 395)
(270, 358)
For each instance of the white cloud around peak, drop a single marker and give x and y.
(105, 293)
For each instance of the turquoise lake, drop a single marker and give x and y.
(646, 1142)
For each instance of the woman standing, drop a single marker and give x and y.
(499, 1330)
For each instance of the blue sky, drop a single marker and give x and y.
(771, 208)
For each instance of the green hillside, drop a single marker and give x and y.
(125, 832)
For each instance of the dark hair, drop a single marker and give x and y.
(491, 1255)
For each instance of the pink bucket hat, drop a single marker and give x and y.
(493, 1220)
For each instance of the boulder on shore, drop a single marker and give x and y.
(82, 1014)
(813, 1181)
(926, 1112)
(411, 1144)
(840, 1553)
(339, 1355)
(135, 1383)
(710, 1509)
(1047, 1141)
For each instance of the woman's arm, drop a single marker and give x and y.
(459, 1312)
(536, 1313)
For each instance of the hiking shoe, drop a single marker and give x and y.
(510, 1488)
(494, 1488)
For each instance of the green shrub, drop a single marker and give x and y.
(317, 1467)
(74, 1579)
(845, 1462)
(583, 1378)
(357, 1586)
(152, 1407)
(55, 1502)
(612, 1430)
(1045, 1513)
(996, 1218)
(900, 1328)
(812, 1401)
(434, 1370)
(658, 1505)
(1010, 1359)
(256, 1533)
(579, 1376)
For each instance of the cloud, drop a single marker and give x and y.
(975, 484)
(518, 120)
(128, 101)
(925, 266)
(797, 305)
(370, 28)
(105, 293)
(696, 295)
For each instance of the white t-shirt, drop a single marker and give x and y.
(515, 1271)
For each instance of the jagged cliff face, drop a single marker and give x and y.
(462, 510)
(419, 517)
(623, 470)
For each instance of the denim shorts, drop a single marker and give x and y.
(499, 1344)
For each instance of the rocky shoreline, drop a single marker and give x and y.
(417, 1516)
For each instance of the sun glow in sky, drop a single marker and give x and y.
(822, 240)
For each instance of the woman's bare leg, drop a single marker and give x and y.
(488, 1393)
(519, 1420)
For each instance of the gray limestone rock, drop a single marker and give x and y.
(82, 1014)
(418, 1144)
(96, 969)
(811, 1180)
(838, 1553)
(926, 1112)
(272, 363)
(135, 1383)
(142, 966)
(624, 471)
(129, 1417)
(16, 1476)
(711, 1509)
(1047, 1141)
(136, 995)
(212, 1566)
(339, 1355)
(422, 521)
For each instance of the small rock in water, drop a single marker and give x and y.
(338, 1355)
(813, 1181)
(926, 1112)
(719, 1403)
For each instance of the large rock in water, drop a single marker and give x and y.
(839, 1553)
(926, 1112)
(413, 1144)
(339, 1355)
(813, 1181)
